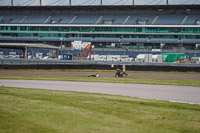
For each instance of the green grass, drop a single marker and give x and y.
(33, 111)
(112, 80)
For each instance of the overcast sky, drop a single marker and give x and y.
(96, 2)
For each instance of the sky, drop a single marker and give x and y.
(96, 2)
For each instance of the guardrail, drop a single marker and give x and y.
(5, 61)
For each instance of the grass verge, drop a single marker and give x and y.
(30, 111)
(112, 80)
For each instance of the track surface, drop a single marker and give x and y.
(186, 94)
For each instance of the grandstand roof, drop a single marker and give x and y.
(95, 2)
(29, 45)
(97, 7)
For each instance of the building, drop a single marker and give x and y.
(111, 29)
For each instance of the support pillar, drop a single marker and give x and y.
(101, 2)
(57, 53)
(70, 2)
(12, 2)
(26, 53)
(167, 2)
(40, 2)
(23, 54)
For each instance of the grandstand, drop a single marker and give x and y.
(131, 28)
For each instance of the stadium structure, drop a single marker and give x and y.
(111, 29)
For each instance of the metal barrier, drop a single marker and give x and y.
(5, 61)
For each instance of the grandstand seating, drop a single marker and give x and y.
(164, 40)
(131, 28)
(6, 38)
(141, 19)
(104, 39)
(134, 40)
(86, 39)
(190, 41)
(113, 19)
(35, 19)
(60, 18)
(169, 19)
(11, 19)
(27, 38)
(138, 47)
(51, 38)
(192, 18)
(136, 19)
(86, 19)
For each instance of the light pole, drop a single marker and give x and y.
(61, 39)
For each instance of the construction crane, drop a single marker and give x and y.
(182, 60)
(89, 46)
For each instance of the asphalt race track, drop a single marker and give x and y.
(185, 94)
